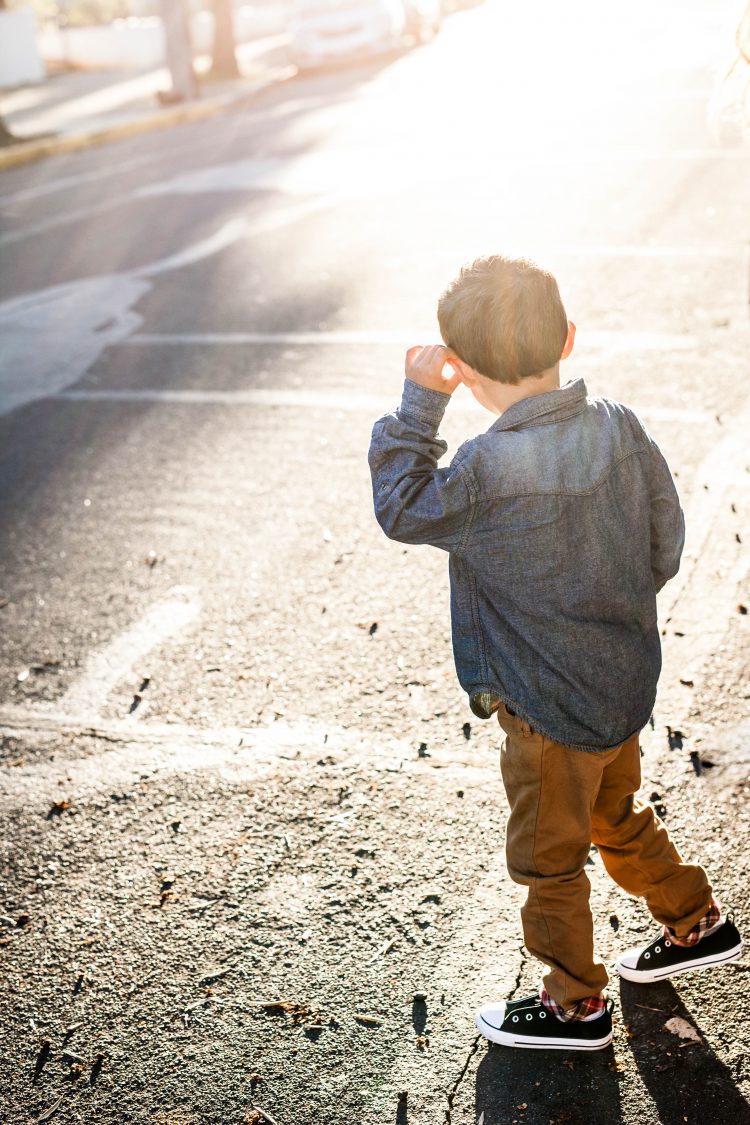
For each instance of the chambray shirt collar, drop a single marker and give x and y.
(551, 406)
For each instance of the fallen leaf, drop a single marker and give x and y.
(682, 1028)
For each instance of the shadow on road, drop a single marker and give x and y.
(547, 1086)
(685, 1079)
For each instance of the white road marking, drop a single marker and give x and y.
(363, 174)
(52, 336)
(352, 401)
(604, 340)
(106, 667)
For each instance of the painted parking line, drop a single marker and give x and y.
(52, 336)
(106, 667)
(603, 340)
(349, 401)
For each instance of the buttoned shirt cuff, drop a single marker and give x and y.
(423, 404)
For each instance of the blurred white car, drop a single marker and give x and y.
(327, 31)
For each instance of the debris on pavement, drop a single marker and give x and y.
(299, 1012)
(699, 764)
(675, 738)
(50, 1113)
(370, 1021)
(682, 1028)
(258, 1116)
(96, 1068)
(386, 947)
(41, 1059)
(212, 977)
(59, 807)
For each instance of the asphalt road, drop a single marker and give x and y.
(248, 814)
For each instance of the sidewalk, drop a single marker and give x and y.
(74, 109)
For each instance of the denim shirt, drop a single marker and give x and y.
(561, 522)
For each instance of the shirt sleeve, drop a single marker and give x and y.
(415, 501)
(667, 520)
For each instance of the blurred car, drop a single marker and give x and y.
(729, 108)
(328, 31)
(423, 18)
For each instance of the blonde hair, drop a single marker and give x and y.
(504, 317)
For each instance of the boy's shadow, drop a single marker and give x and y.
(539, 1087)
(685, 1083)
(685, 1079)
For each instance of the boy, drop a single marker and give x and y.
(562, 522)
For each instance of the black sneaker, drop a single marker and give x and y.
(527, 1023)
(662, 958)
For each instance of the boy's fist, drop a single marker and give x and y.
(426, 367)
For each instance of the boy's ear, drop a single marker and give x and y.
(569, 341)
(466, 374)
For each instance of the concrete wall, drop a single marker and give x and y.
(138, 43)
(20, 61)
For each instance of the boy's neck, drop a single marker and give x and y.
(498, 397)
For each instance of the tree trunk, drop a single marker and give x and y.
(179, 51)
(223, 59)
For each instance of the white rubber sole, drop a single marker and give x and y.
(508, 1040)
(649, 976)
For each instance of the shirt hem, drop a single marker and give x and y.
(586, 748)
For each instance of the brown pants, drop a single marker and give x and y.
(561, 801)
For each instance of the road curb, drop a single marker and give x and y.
(26, 151)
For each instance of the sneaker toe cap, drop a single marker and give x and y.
(629, 959)
(491, 1015)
